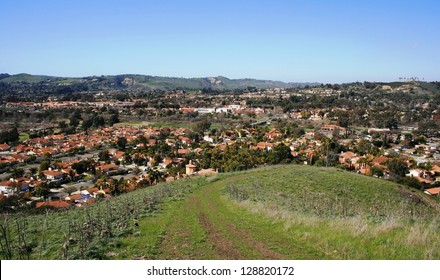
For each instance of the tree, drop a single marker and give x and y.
(74, 118)
(154, 175)
(398, 168)
(62, 125)
(10, 136)
(98, 121)
(42, 189)
(376, 171)
(280, 154)
(17, 172)
(137, 171)
(33, 170)
(128, 159)
(14, 136)
(202, 126)
(71, 175)
(44, 165)
(104, 156)
(114, 118)
(121, 143)
(87, 123)
(343, 118)
(391, 123)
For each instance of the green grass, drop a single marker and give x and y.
(88, 232)
(170, 125)
(133, 123)
(154, 124)
(216, 126)
(276, 212)
(208, 226)
(23, 136)
(374, 223)
(329, 192)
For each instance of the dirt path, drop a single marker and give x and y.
(204, 221)
(224, 247)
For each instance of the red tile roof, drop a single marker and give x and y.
(433, 191)
(54, 204)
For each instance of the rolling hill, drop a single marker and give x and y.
(143, 82)
(275, 212)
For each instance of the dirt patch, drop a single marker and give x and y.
(419, 198)
(258, 245)
(223, 246)
(409, 195)
(243, 235)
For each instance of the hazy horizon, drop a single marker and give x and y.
(289, 41)
(239, 78)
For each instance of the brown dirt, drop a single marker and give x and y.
(222, 245)
(225, 248)
(416, 197)
(260, 246)
(242, 234)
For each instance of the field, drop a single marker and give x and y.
(23, 136)
(154, 124)
(276, 212)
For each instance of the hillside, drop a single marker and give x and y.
(142, 82)
(277, 212)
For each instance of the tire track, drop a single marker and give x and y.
(224, 247)
(243, 235)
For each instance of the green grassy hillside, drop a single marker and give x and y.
(277, 212)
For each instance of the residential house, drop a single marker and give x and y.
(165, 162)
(264, 146)
(183, 152)
(380, 161)
(348, 159)
(7, 187)
(331, 130)
(53, 204)
(54, 176)
(433, 191)
(108, 168)
(4, 147)
(190, 168)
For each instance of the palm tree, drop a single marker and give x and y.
(137, 171)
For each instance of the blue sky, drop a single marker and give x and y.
(305, 41)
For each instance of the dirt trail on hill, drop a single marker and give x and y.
(224, 239)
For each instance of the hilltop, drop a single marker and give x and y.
(276, 212)
(140, 82)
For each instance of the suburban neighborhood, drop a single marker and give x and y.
(86, 163)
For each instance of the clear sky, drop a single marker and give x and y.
(292, 41)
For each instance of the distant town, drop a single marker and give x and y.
(70, 149)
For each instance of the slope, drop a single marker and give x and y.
(291, 212)
(275, 212)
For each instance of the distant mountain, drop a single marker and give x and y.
(143, 82)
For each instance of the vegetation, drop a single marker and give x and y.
(82, 233)
(301, 213)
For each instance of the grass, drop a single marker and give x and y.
(82, 233)
(330, 192)
(208, 226)
(264, 225)
(375, 219)
(23, 136)
(170, 125)
(276, 212)
(154, 124)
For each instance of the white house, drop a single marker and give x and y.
(7, 187)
